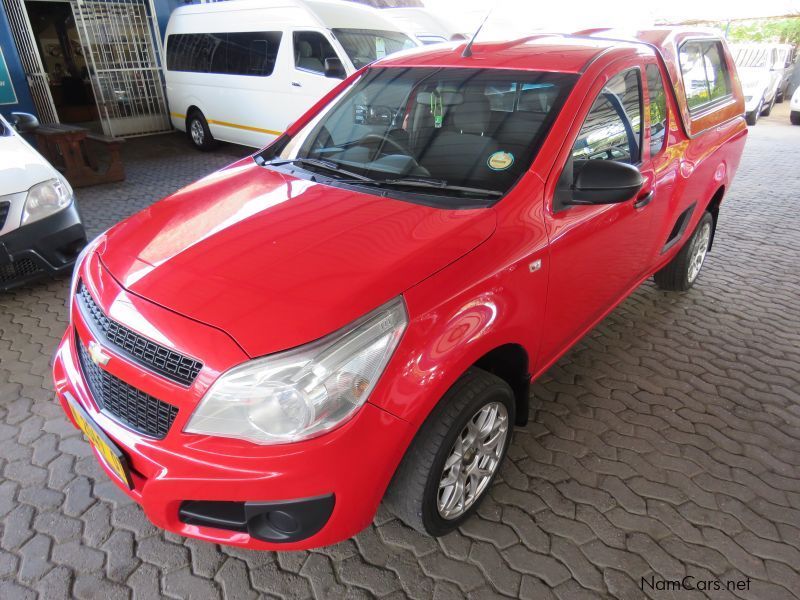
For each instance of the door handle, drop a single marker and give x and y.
(644, 200)
(296, 84)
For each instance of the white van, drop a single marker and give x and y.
(761, 81)
(428, 27)
(242, 71)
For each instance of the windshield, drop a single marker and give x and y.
(751, 57)
(458, 133)
(364, 46)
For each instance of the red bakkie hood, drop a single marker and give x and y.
(277, 261)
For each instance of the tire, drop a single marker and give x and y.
(766, 112)
(779, 97)
(682, 271)
(199, 133)
(794, 117)
(414, 493)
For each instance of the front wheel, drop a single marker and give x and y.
(794, 117)
(681, 272)
(766, 112)
(450, 465)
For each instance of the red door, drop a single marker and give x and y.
(599, 253)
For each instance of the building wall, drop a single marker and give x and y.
(163, 10)
(24, 100)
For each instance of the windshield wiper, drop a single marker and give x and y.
(426, 182)
(327, 165)
(421, 182)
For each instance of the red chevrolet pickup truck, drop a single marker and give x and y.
(354, 313)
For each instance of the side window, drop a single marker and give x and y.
(241, 53)
(657, 98)
(194, 52)
(311, 48)
(613, 128)
(253, 53)
(705, 73)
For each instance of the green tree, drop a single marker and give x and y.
(785, 31)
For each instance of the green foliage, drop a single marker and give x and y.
(785, 31)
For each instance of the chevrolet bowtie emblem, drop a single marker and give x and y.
(97, 354)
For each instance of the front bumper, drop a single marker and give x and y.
(45, 247)
(182, 480)
(751, 102)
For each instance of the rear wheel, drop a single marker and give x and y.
(450, 465)
(681, 272)
(794, 117)
(199, 133)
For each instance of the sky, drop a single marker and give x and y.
(511, 17)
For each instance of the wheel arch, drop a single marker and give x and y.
(510, 363)
(190, 110)
(713, 208)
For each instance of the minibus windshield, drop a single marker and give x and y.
(441, 132)
(364, 46)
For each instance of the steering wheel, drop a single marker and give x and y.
(381, 140)
(323, 140)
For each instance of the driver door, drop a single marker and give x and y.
(598, 253)
(307, 81)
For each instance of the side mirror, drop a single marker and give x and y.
(23, 122)
(605, 182)
(334, 68)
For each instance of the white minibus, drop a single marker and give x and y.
(242, 71)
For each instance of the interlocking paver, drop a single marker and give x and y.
(665, 443)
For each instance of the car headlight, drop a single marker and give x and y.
(45, 199)
(301, 393)
(76, 269)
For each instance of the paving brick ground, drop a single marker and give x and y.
(666, 444)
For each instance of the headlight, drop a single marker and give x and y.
(301, 393)
(45, 199)
(76, 269)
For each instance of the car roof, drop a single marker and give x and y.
(541, 52)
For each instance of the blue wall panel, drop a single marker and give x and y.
(20, 83)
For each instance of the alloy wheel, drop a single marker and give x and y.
(196, 130)
(473, 460)
(699, 251)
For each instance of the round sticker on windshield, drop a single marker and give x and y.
(500, 161)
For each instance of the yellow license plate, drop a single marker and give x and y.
(112, 455)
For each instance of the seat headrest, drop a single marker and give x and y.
(473, 116)
(446, 98)
(304, 49)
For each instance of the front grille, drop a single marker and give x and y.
(4, 208)
(166, 362)
(132, 407)
(18, 269)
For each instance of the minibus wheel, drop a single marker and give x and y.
(450, 465)
(199, 133)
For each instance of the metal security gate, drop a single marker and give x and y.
(31, 61)
(123, 52)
